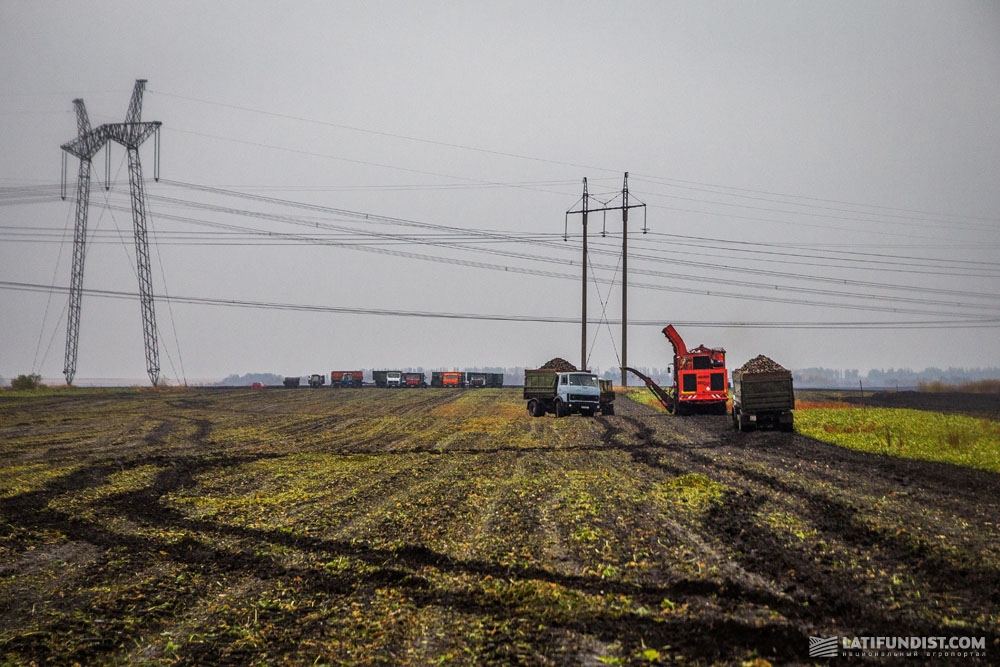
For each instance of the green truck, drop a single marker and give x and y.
(566, 393)
(763, 399)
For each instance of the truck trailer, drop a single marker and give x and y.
(763, 396)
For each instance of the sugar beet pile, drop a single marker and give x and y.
(560, 365)
(762, 364)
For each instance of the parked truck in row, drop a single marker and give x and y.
(414, 380)
(447, 379)
(581, 392)
(477, 379)
(340, 379)
(763, 396)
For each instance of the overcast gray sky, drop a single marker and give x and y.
(831, 164)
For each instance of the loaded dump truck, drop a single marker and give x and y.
(763, 395)
(564, 392)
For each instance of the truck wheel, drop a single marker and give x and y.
(535, 409)
(561, 410)
(608, 410)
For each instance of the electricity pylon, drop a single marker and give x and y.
(130, 134)
(87, 143)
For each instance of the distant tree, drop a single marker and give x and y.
(27, 382)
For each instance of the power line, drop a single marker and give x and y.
(537, 319)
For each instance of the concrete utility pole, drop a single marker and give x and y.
(625, 280)
(583, 316)
(624, 207)
(130, 134)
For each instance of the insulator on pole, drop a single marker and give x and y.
(156, 155)
(62, 182)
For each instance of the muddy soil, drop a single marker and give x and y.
(448, 526)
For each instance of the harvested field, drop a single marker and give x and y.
(448, 526)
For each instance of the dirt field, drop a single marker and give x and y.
(447, 526)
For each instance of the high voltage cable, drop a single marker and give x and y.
(495, 236)
(670, 182)
(486, 234)
(674, 288)
(382, 134)
(400, 221)
(492, 235)
(268, 305)
(733, 191)
(700, 278)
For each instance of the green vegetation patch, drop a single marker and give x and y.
(693, 490)
(645, 396)
(915, 434)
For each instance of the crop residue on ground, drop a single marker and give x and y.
(448, 526)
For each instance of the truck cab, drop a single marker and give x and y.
(415, 380)
(394, 379)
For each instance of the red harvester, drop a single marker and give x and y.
(700, 378)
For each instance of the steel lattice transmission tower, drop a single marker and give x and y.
(130, 134)
(87, 143)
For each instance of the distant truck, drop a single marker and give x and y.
(562, 394)
(475, 379)
(763, 396)
(447, 379)
(480, 379)
(387, 378)
(292, 382)
(340, 379)
(418, 380)
(317, 380)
